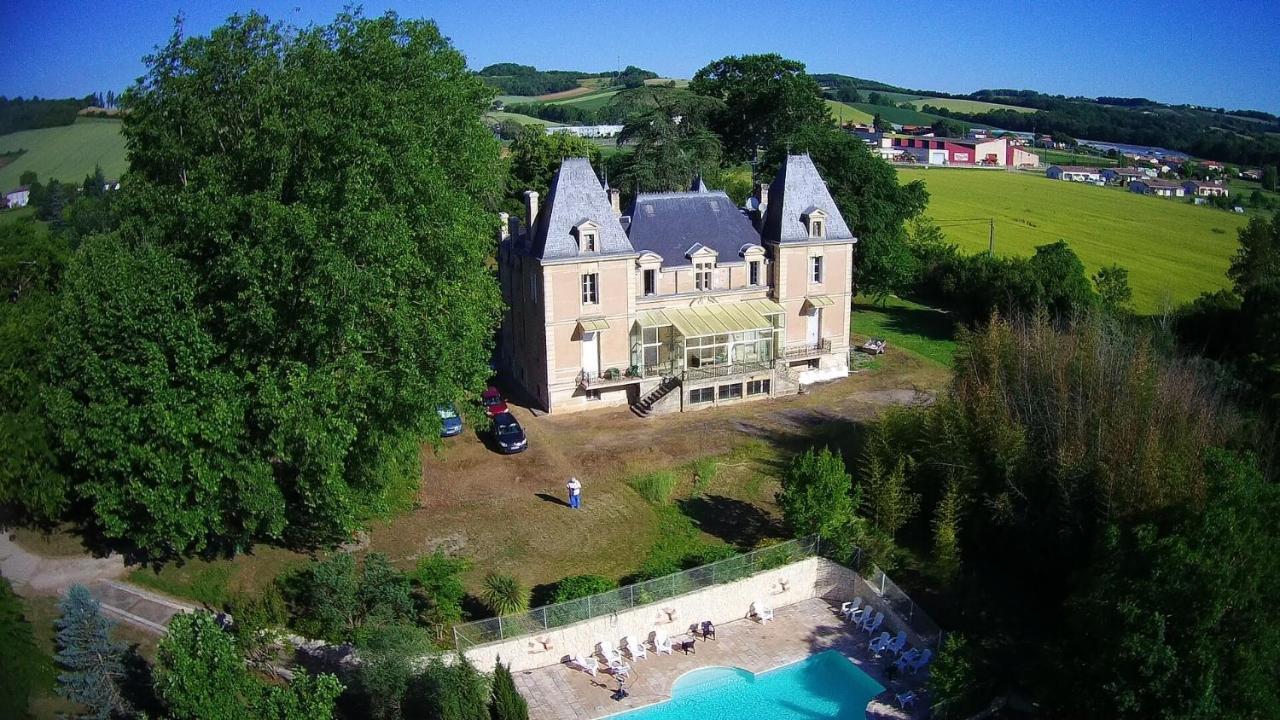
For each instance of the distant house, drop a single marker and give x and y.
(1074, 173)
(1251, 174)
(18, 197)
(1151, 186)
(1124, 176)
(587, 131)
(1212, 165)
(1205, 189)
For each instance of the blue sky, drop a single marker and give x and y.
(1209, 52)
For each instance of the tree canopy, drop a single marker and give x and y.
(298, 279)
(766, 97)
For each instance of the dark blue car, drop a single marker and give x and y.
(450, 421)
(508, 433)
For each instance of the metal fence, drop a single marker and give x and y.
(885, 595)
(546, 617)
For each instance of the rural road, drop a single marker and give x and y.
(48, 575)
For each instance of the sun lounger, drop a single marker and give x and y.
(634, 649)
(761, 612)
(586, 664)
(661, 643)
(608, 653)
(906, 699)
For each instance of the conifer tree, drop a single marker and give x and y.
(506, 703)
(92, 663)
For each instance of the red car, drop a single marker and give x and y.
(493, 402)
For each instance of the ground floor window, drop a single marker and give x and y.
(729, 392)
(758, 387)
(701, 395)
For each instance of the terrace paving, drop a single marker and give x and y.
(563, 692)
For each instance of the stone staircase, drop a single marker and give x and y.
(786, 381)
(646, 405)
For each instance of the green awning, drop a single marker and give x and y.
(593, 324)
(765, 307)
(819, 301)
(708, 319)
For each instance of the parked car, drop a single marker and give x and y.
(493, 402)
(450, 421)
(508, 433)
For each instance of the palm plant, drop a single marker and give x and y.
(504, 595)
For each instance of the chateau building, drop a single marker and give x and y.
(686, 302)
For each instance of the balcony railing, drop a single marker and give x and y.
(807, 350)
(609, 378)
(709, 372)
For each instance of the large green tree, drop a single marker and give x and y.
(765, 97)
(670, 144)
(92, 663)
(536, 155)
(299, 278)
(32, 263)
(24, 667)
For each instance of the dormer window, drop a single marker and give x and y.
(816, 221)
(587, 234)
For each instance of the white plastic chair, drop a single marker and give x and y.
(634, 649)
(761, 612)
(609, 653)
(873, 623)
(661, 643)
(587, 665)
(848, 609)
(877, 645)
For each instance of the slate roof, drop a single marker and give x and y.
(671, 224)
(576, 195)
(797, 188)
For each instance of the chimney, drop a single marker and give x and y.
(513, 229)
(762, 196)
(530, 208)
(504, 226)
(615, 200)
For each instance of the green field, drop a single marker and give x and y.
(1061, 157)
(1173, 250)
(847, 114)
(900, 116)
(590, 101)
(499, 116)
(66, 153)
(966, 106)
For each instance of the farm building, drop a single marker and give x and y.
(588, 131)
(1124, 176)
(1205, 189)
(1151, 186)
(1074, 173)
(990, 152)
(17, 197)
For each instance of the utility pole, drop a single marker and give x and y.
(992, 235)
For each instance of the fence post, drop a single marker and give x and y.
(589, 615)
(544, 618)
(500, 635)
(631, 592)
(457, 644)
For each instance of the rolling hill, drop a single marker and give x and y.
(67, 153)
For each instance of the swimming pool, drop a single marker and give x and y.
(825, 685)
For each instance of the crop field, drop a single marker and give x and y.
(847, 113)
(898, 115)
(67, 153)
(589, 100)
(1173, 250)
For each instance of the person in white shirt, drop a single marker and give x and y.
(575, 493)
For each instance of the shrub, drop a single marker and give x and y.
(656, 487)
(92, 663)
(704, 473)
(506, 703)
(504, 595)
(580, 586)
(439, 588)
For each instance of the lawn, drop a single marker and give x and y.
(1173, 250)
(900, 116)
(907, 325)
(67, 153)
(848, 114)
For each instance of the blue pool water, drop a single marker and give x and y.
(825, 685)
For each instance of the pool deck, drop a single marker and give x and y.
(562, 692)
